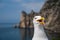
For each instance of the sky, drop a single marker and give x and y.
(10, 10)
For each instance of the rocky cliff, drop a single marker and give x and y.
(23, 20)
(51, 12)
(26, 19)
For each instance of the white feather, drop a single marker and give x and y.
(39, 33)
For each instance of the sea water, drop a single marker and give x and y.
(8, 32)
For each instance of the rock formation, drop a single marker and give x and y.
(23, 20)
(51, 12)
(26, 19)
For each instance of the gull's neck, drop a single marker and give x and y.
(38, 27)
(39, 32)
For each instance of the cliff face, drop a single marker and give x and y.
(51, 12)
(26, 19)
(23, 20)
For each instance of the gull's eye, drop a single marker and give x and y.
(35, 18)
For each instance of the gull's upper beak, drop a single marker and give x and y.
(41, 21)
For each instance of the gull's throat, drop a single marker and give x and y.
(39, 33)
(38, 29)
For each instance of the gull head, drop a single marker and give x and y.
(39, 20)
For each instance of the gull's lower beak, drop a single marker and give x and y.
(42, 23)
(41, 20)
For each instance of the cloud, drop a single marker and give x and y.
(33, 6)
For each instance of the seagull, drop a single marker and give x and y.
(39, 33)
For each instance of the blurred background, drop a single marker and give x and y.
(16, 18)
(10, 12)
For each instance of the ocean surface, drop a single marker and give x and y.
(8, 32)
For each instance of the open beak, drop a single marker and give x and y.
(41, 21)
